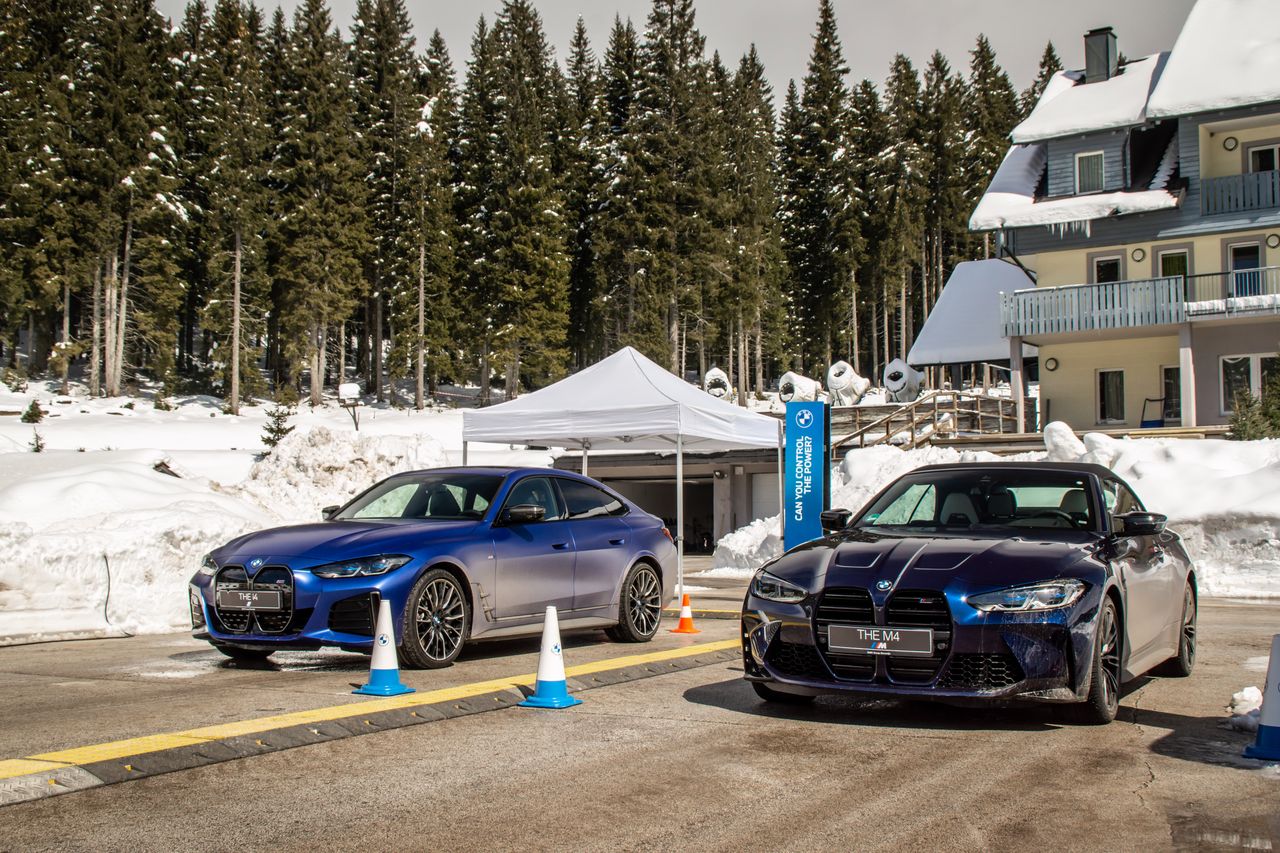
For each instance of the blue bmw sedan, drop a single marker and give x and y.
(978, 583)
(460, 553)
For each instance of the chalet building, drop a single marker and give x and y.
(1143, 202)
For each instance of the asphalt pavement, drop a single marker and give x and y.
(689, 759)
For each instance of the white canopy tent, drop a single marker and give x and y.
(626, 402)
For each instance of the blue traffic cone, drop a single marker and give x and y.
(384, 668)
(1267, 746)
(551, 691)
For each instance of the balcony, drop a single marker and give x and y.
(1240, 193)
(1093, 307)
(1230, 293)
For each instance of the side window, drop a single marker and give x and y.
(1119, 499)
(585, 501)
(539, 492)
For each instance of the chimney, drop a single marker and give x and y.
(1100, 55)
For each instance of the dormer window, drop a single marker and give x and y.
(1089, 172)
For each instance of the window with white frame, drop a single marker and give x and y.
(1089, 171)
(1264, 158)
(1241, 375)
(1107, 269)
(1110, 396)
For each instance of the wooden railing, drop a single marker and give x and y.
(1227, 286)
(1236, 193)
(1087, 307)
(932, 414)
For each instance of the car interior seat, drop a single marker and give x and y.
(1001, 506)
(958, 510)
(1075, 504)
(442, 504)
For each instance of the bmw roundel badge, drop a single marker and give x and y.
(804, 418)
(256, 562)
(883, 585)
(383, 639)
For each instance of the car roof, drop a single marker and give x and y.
(498, 470)
(1100, 471)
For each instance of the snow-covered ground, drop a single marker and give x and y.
(1223, 497)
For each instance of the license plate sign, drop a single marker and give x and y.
(242, 599)
(874, 640)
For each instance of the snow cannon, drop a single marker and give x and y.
(844, 385)
(794, 387)
(716, 383)
(901, 381)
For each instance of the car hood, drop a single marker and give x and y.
(865, 559)
(342, 540)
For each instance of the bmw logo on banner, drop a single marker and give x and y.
(805, 486)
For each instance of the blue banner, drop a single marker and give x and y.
(806, 476)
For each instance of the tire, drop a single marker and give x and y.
(1181, 664)
(1105, 671)
(768, 694)
(436, 621)
(639, 606)
(240, 653)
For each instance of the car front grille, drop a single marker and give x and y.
(353, 615)
(905, 609)
(285, 620)
(796, 659)
(981, 672)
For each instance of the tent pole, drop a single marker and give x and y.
(680, 517)
(464, 452)
(782, 498)
(586, 451)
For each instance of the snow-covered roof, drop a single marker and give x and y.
(1010, 200)
(965, 324)
(1227, 55)
(1070, 106)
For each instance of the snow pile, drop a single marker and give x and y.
(1245, 710)
(311, 470)
(1227, 55)
(1070, 106)
(74, 525)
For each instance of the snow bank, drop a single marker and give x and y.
(311, 470)
(1245, 710)
(1222, 497)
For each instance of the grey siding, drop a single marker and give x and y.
(1062, 161)
(1135, 228)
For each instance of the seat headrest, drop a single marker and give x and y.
(1001, 505)
(1075, 501)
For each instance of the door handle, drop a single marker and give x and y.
(617, 541)
(560, 546)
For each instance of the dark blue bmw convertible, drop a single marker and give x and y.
(461, 553)
(978, 583)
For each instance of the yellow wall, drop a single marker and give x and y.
(1072, 390)
(1216, 161)
(1055, 269)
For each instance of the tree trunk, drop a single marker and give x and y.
(742, 362)
(419, 348)
(730, 366)
(319, 341)
(122, 313)
(235, 325)
(875, 345)
(95, 354)
(66, 338)
(112, 285)
(759, 355)
(673, 334)
(342, 352)
(853, 324)
(484, 372)
(379, 390)
(884, 316)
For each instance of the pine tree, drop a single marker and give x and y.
(902, 198)
(277, 425)
(383, 68)
(867, 138)
(323, 228)
(991, 111)
(824, 238)
(236, 143)
(1050, 65)
(581, 131)
(945, 211)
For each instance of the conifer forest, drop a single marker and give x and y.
(250, 204)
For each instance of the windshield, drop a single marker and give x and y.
(985, 498)
(443, 496)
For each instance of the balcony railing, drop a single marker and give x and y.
(1088, 307)
(1234, 292)
(1237, 193)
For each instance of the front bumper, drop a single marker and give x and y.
(981, 658)
(319, 612)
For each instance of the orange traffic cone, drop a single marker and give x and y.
(686, 619)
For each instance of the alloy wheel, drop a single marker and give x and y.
(644, 601)
(1189, 624)
(1109, 636)
(440, 618)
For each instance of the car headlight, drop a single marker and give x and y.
(765, 585)
(1048, 595)
(208, 567)
(361, 567)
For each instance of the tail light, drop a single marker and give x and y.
(667, 533)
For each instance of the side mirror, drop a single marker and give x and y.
(329, 512)
(1139, 523)
(835, 519)
(523, 514)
